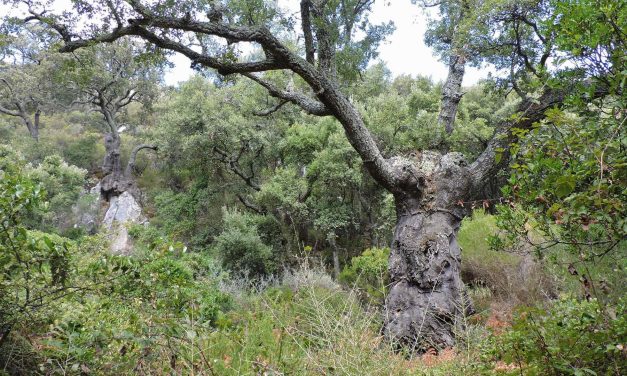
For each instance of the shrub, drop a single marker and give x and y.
(18, 356)
(35, 266)
(308, 325)
(570, 338)
(192, 215)
(86, 151)
(303, 327)
(241, 248)
(64, 184)
(136, 309)
(369, 273)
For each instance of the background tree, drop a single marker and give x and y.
(569, 170)
(107, 79)
(27, 76)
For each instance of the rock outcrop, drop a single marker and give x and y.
(123, 211)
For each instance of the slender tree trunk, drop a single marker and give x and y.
(305, 13)
(336, 257)
(35, 132)
(33, 127)
(326, 43)
(336, 263)
(451, 92)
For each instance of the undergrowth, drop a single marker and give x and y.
(168, 311)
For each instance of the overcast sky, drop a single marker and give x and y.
(404, 52)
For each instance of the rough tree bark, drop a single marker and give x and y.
(426, 297)
(110, 184)
(117, 180)
(305, 14)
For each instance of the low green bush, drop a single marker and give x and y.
(241, 248)
(369, 273)
(571, 337)
(134, 310)
(64, 184)
(36, 267)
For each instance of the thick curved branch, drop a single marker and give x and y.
(59, 28)
(496, 155)
(250, 205)
(125, 100)
(223, 67)
(130, 166)
(6, 111)
(271, 110)
(7, 84)
(108, 116)
(535, 28)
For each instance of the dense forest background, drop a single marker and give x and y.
(232, 225)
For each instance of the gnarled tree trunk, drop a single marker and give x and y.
(426, 298)
(117, 180)
(111, 184)
(32, 126)
(119, 189)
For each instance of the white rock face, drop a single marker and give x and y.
(123, 210)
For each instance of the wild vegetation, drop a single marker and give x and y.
(295, 208)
